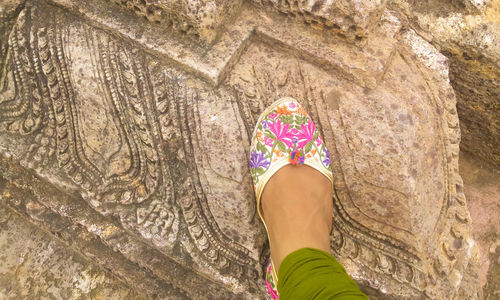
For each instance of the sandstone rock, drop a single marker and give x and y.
(34, 264)
(198, 18)
(9, 9)
(468, 33)
(353, 19)
(142, 134)
(482, 189)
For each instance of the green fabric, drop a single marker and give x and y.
(310, 273)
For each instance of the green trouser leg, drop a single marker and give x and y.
(310, 273)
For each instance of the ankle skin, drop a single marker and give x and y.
(297, 207)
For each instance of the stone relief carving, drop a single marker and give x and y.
(348, 18)
(161, 149)
(364, 202)
(199, 19)
(105, 124)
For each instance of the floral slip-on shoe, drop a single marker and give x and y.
(284, 134)
(271, 286)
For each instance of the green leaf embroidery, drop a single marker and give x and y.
(286, 119)
(301, 120)
(281, 146)
(261, 148)
(269, 135)
(308, 147)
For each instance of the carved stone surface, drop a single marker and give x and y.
(144, 136)
(34, 264)
(482, 189)
(199, 18)
(470, 38)
(352, 19)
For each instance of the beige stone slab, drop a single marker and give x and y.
(364, 63)
(354, 19)
(152, 144)
(35, 264)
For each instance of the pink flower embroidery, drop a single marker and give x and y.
(268, 141)
(319, 141)
(282, 132)
(273, 115)
(306, 133)
(291, 105)
(270, 290)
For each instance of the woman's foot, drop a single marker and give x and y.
(292, 178)
(297, 207)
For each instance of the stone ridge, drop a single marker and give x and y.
(213, 62)
(204, 18)
(348, 18)
(201, 18)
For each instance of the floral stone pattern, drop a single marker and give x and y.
(128, 139)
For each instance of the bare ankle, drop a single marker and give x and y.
(297, 208)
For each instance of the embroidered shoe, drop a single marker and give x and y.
(271, 286)
(284, 134)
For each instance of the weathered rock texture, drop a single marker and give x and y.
(468, 33)
(35, 265)
(482, 188)
(196, 18)
(133, 132)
